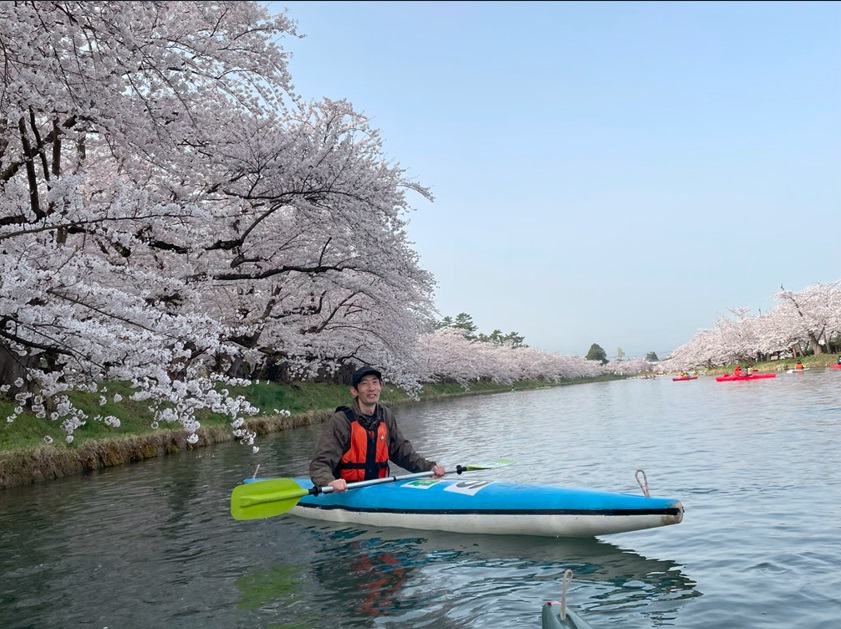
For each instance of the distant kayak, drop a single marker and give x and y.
(835, 366)
(754, 376)
(680, 378)
(798, 370)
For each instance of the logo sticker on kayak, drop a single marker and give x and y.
(466, 487)
(469, 487)
(424, 483)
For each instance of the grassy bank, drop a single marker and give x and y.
(33, 449)
(821, 361)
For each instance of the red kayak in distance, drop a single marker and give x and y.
(754, 376)
(835, 366)
(684, 378)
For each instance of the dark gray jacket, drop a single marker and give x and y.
(335, 441)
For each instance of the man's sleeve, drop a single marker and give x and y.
(332, 443)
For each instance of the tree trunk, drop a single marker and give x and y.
(12, 368)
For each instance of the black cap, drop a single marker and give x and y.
(362, 372)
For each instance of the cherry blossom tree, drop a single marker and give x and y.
(172, 214)
(629, 367)
(314, 266)
(812, 315)
(448, 355)
(175, 217)
(806, 320)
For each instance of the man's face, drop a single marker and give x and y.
(368, 389)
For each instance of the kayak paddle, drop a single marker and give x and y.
(271, 497)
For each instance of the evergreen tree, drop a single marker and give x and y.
(597, 353)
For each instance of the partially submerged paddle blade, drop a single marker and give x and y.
(265, 498)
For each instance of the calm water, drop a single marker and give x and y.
(756, 465)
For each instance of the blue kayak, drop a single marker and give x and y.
(489, 507)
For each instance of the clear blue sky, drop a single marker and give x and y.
(618, 173)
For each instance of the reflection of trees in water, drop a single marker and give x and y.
(442, 579)
(260, 587)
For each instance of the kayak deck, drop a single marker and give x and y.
(491, 507)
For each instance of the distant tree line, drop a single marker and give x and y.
(464, 321)
(596, 352)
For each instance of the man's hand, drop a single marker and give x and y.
(339, 485)
(438, 471)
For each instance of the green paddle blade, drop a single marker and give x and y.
(487, 465)
(265, 498)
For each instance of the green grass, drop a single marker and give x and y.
(136, 418)
(813, 362)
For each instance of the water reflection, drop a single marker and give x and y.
(260, 587)
(446, 579)
(369, 574)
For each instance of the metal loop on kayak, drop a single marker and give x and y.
(642, 483)
(567, 579)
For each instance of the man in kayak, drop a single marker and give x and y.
(358, 441)
(798, 365)
(737, 371)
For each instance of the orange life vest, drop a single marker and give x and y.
(367, 455)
